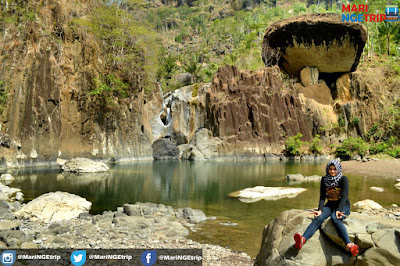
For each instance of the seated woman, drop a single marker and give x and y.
(335, 188)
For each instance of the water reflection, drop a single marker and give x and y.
(201, 185)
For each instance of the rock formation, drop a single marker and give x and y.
(378, 239)
(318, 40)
(255, 112)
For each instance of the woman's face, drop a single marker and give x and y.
(332, 170)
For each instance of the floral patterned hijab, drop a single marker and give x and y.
(333, 180)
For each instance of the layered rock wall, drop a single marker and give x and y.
(48, 72)
(256, 112)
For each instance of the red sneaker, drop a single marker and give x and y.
(300, 241)
(353, 248)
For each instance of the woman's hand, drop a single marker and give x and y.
(317, 213)
(340, 215)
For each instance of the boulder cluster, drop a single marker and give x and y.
(377, 237)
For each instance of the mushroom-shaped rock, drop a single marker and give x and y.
(53, 207)
(322, 41)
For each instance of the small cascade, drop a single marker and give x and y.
(165, 115)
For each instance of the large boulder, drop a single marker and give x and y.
(54, 207)
(165, 149)
(322, 41)
(379, 245)
(84, 165)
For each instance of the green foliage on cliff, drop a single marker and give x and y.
(108, 87)
(315, 146)
(129, 43)
(17, 12)
(293, 145)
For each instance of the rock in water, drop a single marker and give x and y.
(84, 165)
(257, 193)
(322, 41)
(53, 207)
(165, 149)
(377, 189)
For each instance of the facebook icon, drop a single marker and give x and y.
(148, 257)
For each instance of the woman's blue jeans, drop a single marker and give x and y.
(326, 212)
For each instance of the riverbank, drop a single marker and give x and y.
(133, 226)
(385, 168)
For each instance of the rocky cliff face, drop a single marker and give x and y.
(48, 68)
(255, 112)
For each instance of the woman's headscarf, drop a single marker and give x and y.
(333, 180)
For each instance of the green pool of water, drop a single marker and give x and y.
(205, 186)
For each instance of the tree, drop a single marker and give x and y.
(387, 30)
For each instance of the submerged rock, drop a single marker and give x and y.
(53, 207)
(300, 177)
(377, 189)
(257, 193)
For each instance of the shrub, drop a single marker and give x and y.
(394, 152)
(355, 120)
(350, 147)
(315, 146)
(382, 147)
(293, 145)
(108, 87)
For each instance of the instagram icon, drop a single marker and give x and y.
(8, 257)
